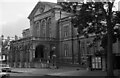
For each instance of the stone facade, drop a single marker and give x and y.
(39, 40)
(26, 33)
(69, 45)
(52, 28)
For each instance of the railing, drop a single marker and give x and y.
(44, 63)
(40, 63)
(43, 38)
(37, 38)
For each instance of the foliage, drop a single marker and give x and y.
(91, 18)
(97, 18)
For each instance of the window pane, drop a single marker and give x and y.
(66, 31)
(66, 49)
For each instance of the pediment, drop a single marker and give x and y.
(47, 8)
(37, 12)
(40, 8)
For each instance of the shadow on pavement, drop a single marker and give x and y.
(47, 76)
(61, 77)
(13, 72)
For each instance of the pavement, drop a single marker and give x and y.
(80, 73)
(63, 71)
(23, 70)
(44, 70)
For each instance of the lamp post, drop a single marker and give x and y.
(88, 56)
(54, 56)
(79, 55)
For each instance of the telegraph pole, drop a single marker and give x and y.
(79, 55)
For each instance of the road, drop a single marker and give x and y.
(55, 73)
(36, 73)
(27, 75)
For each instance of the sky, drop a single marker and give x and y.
(13, 15)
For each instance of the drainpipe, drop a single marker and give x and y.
(79, 55)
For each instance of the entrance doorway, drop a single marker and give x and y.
(96, 63)
(39, 51)
(116, 62)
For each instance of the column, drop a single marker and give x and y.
(27, 55)
(13, 56)
(22, 53)
(15, 63)
(17, 56)
(20, 58)
(32, 27)
(32, 54)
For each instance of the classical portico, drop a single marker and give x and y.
(34, 50)
(42, 20)
(29, 51)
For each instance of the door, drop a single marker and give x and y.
(96, 63)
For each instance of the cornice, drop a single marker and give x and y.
(51, 5)
(44, 15)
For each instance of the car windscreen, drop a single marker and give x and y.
(2, 65)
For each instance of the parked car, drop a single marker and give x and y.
(4, 75)
(5, 68)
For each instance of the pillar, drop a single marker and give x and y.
(15, 63)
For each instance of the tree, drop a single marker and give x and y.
(96, 18)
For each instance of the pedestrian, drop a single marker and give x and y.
(48, 61)
(54, 61)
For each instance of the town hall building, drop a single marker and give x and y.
(51, 33)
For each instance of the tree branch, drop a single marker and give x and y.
(105, 13)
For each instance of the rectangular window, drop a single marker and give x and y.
(65, 52)
(66, 31)
(50, 34)
(66, 49)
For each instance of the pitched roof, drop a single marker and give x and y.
(52, 5)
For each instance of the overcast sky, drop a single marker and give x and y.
(13, 15)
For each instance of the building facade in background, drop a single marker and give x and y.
(26, 33)
(4, 49)
(51, 32)
(41, 40)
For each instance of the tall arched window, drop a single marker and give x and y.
(43, 28)
(49, 27)
(37, 28)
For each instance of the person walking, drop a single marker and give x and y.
(54, 60)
